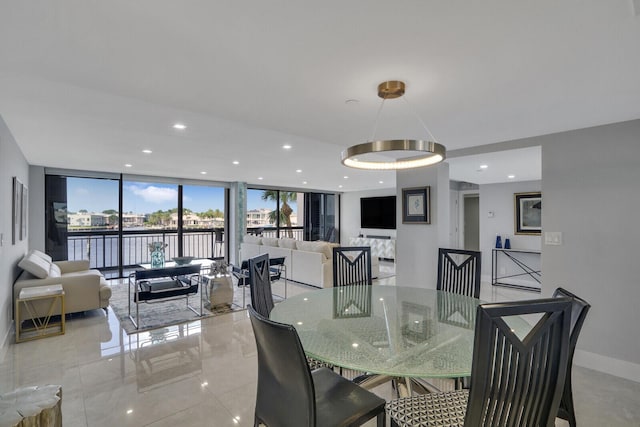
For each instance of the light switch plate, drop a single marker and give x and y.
(552, 237)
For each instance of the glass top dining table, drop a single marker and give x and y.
(395, 331)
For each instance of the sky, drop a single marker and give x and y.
(97, 195)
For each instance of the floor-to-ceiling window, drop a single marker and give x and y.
(114, 221)
(203, 221)
(297, 215)
(150, 217)
(274, 213)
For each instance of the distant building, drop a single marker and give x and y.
(132, 220)
(88, 220)
(258, 217)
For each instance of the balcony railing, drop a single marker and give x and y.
(100, 247)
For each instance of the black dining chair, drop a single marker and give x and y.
(514, 381)
(459, 271)
(290, 395)
(579, 309)
(352, 266)
(260, 284)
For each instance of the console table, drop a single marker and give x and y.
(517, 257)
(381, 248)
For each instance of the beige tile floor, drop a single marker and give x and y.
(204, 373)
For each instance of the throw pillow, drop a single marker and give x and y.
(41, 255)
(35, 265)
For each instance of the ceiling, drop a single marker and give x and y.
(89, 85)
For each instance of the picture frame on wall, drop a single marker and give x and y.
(416, 205)
(528, 213)
(16, 212)
(24, 212)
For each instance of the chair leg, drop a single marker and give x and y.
(382, 419)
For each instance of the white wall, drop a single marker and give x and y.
(417, 244)
(590, 187)
(350, 215)
(499, 199)
(12, 163)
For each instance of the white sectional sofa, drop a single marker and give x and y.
(306, 262)
(84, 289)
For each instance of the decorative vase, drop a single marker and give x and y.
(221, 291)
(507, 243)
(157, 255)
(498, 242)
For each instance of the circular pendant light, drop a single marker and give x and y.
(404, 153)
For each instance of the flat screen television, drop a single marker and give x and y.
(378, 212)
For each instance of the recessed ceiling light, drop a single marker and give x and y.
(260, 178)
(484, 166)
(346, 177)
(304, 182)
(147, 151)
(339, 186)
(179, 126)
(235, 162)
(511, 176)
(286, 147)
(203, 173)
(128, 165)
(380, 182)
(351, 101)
(299, 170)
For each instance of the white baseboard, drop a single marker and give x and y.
(608, 365)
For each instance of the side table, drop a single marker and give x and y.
(219, 289)
(53, 294)
(35, 406)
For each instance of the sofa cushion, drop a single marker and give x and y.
(270, 241)
(41, 255)
(250, 238)
(288, 243)
(35, 265)
(321, 247)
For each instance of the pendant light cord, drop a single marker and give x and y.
(375, 124)
(419, 119)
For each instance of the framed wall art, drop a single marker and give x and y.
(528, 213)
(416, 205)
(16, 212)
(24, 212)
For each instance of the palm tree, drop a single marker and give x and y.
(285, 210)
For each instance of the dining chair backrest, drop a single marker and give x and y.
(286, 395)
(352, 266)
(579, 309)
(459, 271)
(514, 381)
(276, 266)
(260, 284)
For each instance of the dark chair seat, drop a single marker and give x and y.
(337, 397)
